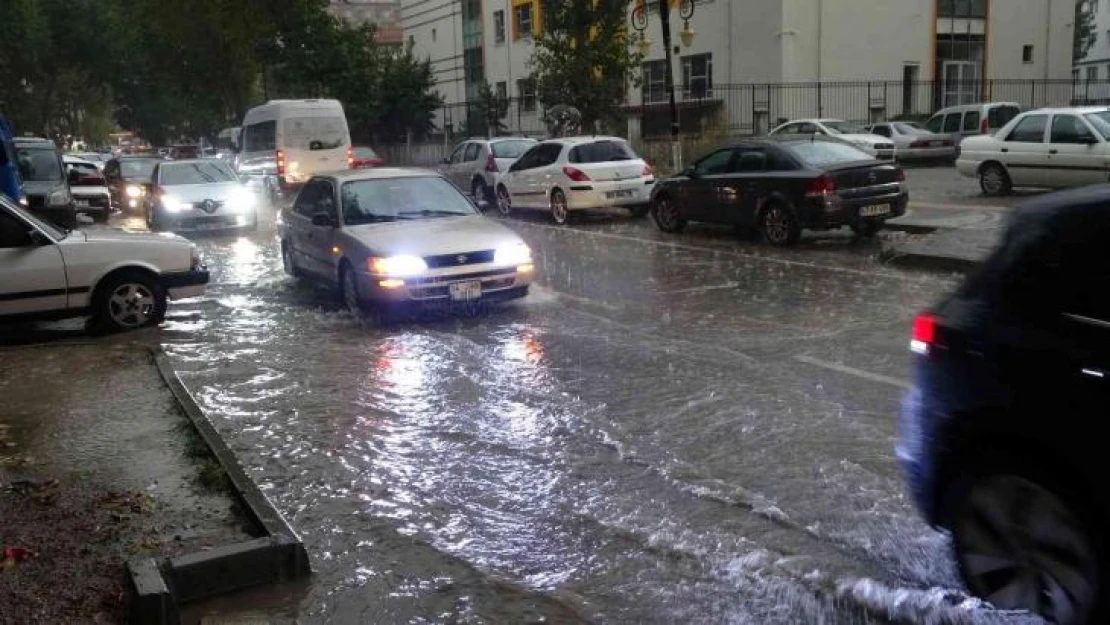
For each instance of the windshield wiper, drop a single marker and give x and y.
(432, 213)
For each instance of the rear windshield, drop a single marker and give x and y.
(38, 164)
(365, 153)
(602, 152)
(315, 133)
(138, 168)
(909, 129)
(194, 173)
(1101, 122)
(511, 149)
(822, 153)
(999, 116)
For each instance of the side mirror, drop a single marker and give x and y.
(37, 238)
(691, 172)
(322, 219)
(1088, 140)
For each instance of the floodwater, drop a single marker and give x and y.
(669, 429)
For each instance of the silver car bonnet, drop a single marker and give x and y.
(431, 236)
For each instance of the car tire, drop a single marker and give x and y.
(1046, 539)
(287, 261)
(348, 290)
(560, 212)
(667, 214)
(128, 301)
(867, 229)
(479, 191)
(994, 180)
(778, 225)
(504, 201)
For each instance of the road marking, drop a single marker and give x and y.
(859, 373)
(955, 207)
(699, 289)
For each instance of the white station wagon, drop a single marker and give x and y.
(1054, 148)
(121, 279)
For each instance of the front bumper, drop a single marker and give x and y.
(199, 221)
(183, 284)
(94, 203)
(624, 193)
(497, 284)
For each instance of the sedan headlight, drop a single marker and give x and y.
(133, 190)
(61, 197)
(396, 266)
(241, 201)
(514, 254)
(174, 205)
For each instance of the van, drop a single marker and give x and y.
(965, 120)
(11, 184)
(285, 142)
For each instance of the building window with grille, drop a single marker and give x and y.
(522, 22)
(526, 92)
(697, 76)
(653, 89)
(499, 27)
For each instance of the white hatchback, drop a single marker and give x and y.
(577, 173)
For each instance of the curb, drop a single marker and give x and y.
(160, 585)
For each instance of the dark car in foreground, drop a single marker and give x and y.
(780, 185)
(44, 181)
(1001, 439)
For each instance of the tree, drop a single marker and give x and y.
(1085, 34)
(583, 58)
(486, 115)
(407, 91)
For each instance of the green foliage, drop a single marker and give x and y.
(583, 58)
(486, 115)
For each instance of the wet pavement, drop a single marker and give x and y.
(669, 429)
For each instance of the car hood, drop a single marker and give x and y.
(868, 139)
(200, 192)
(41, 187)
(431, 237)
(120, 236)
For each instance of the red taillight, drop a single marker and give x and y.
(822, 185)
(576, 174)
(648, 172)
(350, 157)
(984, 126)
(924, 333)
(920, 143)
(280, 163)
(491, 164)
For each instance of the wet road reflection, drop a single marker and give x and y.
(667, 430)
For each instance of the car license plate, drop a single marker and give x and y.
(465, 291)
(612, 195)
(80, 202)
(876, 209)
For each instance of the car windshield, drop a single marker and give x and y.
(511, 149)
(315, 133)
(365, 153)
(602, 152)
(844, 128)
(45, 226)
(1101, 122)
(38, 164)
(824, 153)
(909, 129)
(138, 167)
(392, 199)
(202, 172)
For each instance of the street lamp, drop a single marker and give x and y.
(640, 22)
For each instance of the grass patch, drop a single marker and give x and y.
(210, 475)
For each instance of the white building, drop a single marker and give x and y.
(385, 15)
(1091, 72)
(753, 63)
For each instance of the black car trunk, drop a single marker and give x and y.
(863, 174)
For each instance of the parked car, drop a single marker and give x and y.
(911, 142)
(781, 184)
(876, 146)
(574, 174)
(89, 188)
(1001, 438)
(1064, 147)
(968, 120)
(129, 179)
(11, 184)
(475, 164)
(199, 194)
(181, 152)
(96, 158)
(363, 157)
(44, 180)
(121, 279)
(393, 237)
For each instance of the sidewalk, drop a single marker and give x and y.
(944, 239)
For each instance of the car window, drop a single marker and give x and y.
(716, 163)
(527, 160)
(822, 153)
(777, 160)
(13, 231)
(971, 121)
(809, 129)
(952, 122)
(457, 155)
(547, 154)
(472, 152)
(788, 129)
(170, 174)
(883, 131)
(1069, 129)
(511, 149)
(38, 164)
(604, 151)
(392, 199)
(138, 167)
(999, 116)
(935, 123)
(308, 198)
(749, 161)
(260, 137)
(365, 153)
(314, 133)
(1101, 122)
(1029, 130)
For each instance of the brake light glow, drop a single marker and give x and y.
(924, 333)
(822, 185)
(350, 157)
(575, 174)
(280, 163)
(491, 164)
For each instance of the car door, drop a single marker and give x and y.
(301, 230)
(1076, 155)
(32, 273)
(1024, 152)
(535, 181)
(320, 239)
(699, 193)
(464, 172)
(514, 178)
(112, 177)
(736, 191)
(453, 162)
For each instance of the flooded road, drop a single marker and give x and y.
(669, 429)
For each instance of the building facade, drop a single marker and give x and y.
(1091, 70)
(750, 64)
(383, 14)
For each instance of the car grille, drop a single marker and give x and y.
(212, 205)
(884, 146)
(455, 260)
(459, 277)
(225, 221)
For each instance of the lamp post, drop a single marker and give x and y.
(640, 22)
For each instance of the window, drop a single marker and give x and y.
(1027, 54)
(697, 76)
(952, 122)
(716, 163)
(522, 22)
(653, 89)
(13, 232)
(1093, 4)
(790, 129)
(308, 199)
(999, 116)
(471, 152)
(260, 137)
(390, 199)
(457, 155)
(963, 8)
(881, 130)
(501, 91)
(822, 153)
(1092, 73)
(511, 148)
(39, 164)
(934, 124)
(499, 27)
(750, 161)
(315, 133)
(1068, 129)
(547, 154)
(170, 174)
(971, 121)
(601, 152)
(527, 160)
(1029, 129)
(526, 91)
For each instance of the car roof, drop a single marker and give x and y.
(1080, 110)
(792, 138)
(66, 158)
(377, 173)
(187, 161)
(583, 139)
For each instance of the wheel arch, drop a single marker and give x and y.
(984, 164)
(98, 285)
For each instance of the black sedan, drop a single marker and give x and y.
(129, 178)
(780, 185)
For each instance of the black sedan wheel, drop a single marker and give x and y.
(667, 214)
(778, 225)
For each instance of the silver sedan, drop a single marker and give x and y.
(913, 142)
(199, 194)
(391, 237)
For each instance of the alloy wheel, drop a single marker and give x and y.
(504, 201)
(993, 180)
(666, 214)
(559, 207)
(776, 225)
(131, 305)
